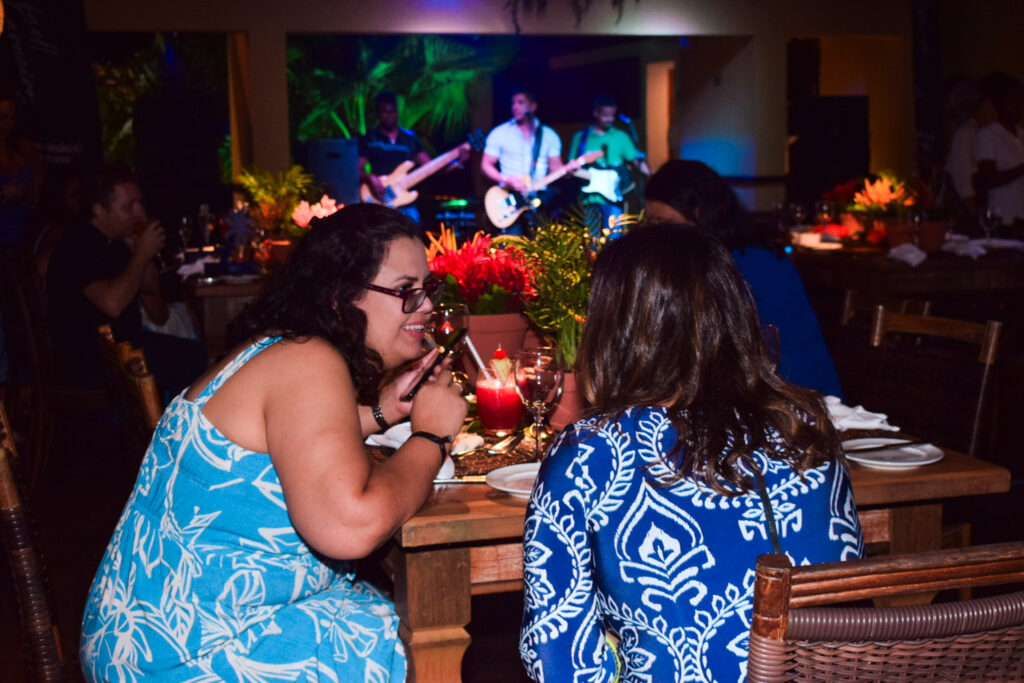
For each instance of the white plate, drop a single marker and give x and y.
(894, 458)
(515, 480)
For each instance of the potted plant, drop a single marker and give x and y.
(493, 282)
(876, 208)
(562, 252)
(274, 197)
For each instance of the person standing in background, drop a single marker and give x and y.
(965, 104)
(619, 155)
(520, 152)
(999, 149)
(386, 146)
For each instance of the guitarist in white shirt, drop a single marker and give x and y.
(384, 148)
(609, 176)
(520, 152)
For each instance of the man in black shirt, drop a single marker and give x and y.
(102, 272)
(386, 146)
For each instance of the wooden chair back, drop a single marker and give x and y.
(796, 635)
(38, 626)
(940, 373)
(859, 306)
(130, 374)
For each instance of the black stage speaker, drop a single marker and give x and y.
(332, 163)
(831, 144)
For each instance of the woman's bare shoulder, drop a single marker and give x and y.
(286, 361)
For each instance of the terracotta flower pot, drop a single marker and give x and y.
(487, 331)
(280, 252)
(898, 232)
(569, 406)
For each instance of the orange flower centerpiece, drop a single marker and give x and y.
(876, 209)
(488, 279)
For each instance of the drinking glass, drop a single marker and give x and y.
(823, 212)
(989, 220)
(497, 404)
(798, 213)
(539, 383)
(447, 320)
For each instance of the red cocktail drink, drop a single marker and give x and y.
(498, 405)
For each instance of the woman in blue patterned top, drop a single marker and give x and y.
(220, 567)
(646, 520)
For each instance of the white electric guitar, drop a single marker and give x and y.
(505, 206)
(611, 183)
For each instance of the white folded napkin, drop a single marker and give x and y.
(844, 417)
(399, 433)
(908, 253)
(971, 248)
(197, 267)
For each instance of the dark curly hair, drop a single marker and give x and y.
(703, 198)
(313, 294)
(671, 322)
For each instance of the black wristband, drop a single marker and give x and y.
(439, 440)
(378, 415)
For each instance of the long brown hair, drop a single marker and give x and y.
(671, 322)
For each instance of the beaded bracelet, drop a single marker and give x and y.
(378, 415)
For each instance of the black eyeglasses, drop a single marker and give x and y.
(412, 299)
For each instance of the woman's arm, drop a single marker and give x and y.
(340, 501)
(562, 635)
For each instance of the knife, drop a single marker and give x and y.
(887, 447)
(505, 444)
(468, 479)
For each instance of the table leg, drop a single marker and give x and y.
(432, 598)
(912, 529)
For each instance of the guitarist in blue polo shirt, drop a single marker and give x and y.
(609, 178)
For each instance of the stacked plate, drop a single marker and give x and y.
(889, 453)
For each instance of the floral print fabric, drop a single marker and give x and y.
(205, 579)
(668, 569)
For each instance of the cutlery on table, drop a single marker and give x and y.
(505, 444)
(887, 447)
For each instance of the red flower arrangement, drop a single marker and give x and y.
(485, 278)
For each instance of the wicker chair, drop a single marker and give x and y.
(794, 637)
(131, 377)
(38, 626)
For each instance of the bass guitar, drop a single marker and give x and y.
(505, 206)
(398, 183)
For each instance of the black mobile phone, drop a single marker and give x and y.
(445, 352)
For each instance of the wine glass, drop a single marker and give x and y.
(823, 212)
(539, 384)
(798, 212)
(989, 220)
(447, 321)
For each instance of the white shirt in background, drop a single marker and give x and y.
(960, 163)
(996, 143)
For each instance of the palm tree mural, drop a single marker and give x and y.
(435, 79)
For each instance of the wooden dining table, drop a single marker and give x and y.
(217, 301)
(467, 540)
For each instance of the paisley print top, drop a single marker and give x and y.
(668, 569)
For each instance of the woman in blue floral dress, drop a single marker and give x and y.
(230, 559)
(646, 521)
